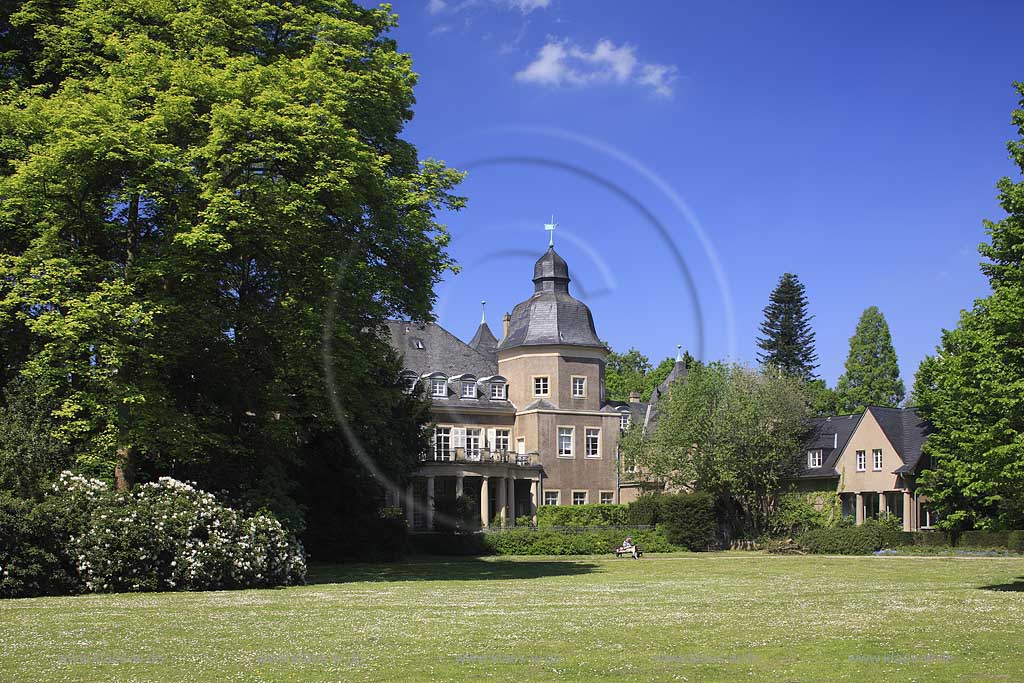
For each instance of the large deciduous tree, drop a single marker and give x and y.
(188, 189)
(972, 390)
(872, 375)
(788, 340)
(731, 431)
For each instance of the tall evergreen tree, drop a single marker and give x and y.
(788, 341)
(872, 374)
(972, 390)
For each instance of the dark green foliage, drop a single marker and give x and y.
(645, 510)
(30, 457)
(547, 542)
(31, 559)
(822, 400)
(592, 515)
(788, 340)
(1015, 541)
(797, 512)
(984, 539)
(872, 376)
(865, 539)
(688, 519)
(460, 545)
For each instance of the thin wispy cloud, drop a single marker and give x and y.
(563, 63)
(524, 6)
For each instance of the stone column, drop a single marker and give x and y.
(908, 520)
(860, 508)
(883, 507)
(485, 502)
(511, 501)
(534, 485)
(410, 505)
(503, 501)
(458, 485)
(430, 503)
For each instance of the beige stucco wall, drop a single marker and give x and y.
(578, 473)
(867, 437)
(559, 364)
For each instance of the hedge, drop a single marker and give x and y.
(546, 542)
(853, 540)
(688, 519)
(591, 515)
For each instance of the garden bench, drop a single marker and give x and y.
(624, 550)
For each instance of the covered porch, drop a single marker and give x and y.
(902, 503)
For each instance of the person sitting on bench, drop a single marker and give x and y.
(628, 543)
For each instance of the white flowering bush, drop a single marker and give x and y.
(168, 535)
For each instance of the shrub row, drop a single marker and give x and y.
(545, 542)
(165, 535)
(875, 535)
(1011, 540)
(592, 515)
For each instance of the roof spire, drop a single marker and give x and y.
(679, 353)
(550, 227)
(483, 312)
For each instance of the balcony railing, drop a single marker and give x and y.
(484, 455)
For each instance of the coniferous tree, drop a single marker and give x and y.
(872, 374)
(788, 341)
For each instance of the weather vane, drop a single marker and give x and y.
(550, 227)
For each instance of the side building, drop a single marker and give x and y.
(521, 421)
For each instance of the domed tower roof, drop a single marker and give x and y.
(551, 315)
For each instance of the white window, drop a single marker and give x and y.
(442, 443)
(438, 387)
(498, 391)
(592, 445)
(862, 461)
(501, 437)
(607, 497)
(473, 443)
(469, 390)
(410, 383)
(540, 386)
(565, 437)
(624, 421)
(579, 497)
(877, 456)
(814, 458)
(552, 497)
(579, 387)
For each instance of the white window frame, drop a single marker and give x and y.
(547, 385)
(442, 434)
(624, 420)
(586, 496)
(586, 442)
(410, 383)
(468, 390)
(876, 459)
(571, 453)
(862, 461)
(498, 391)
(474, 435)
(557, 495)
(814, 458)
(500, 435)
(602, 494)
(582, 385)
(438, 387)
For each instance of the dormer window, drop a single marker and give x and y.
(498, 391)
(468, 390)
(438, 387)
(410, 381)
(814, 458)
(624, 421)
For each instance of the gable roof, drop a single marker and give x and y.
(906, 431)
(830, 435)
(428, 347)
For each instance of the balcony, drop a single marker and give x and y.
(481, 455)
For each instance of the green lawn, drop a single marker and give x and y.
(713, 617)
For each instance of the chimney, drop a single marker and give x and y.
(634, 397)
(504, 325)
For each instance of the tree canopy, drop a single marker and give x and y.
(872, 375)
(207, 207)
(788, 341)
(632, 371)
(972, 390)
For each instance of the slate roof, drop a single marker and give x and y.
(637, 411)
(677, 373)
(484, 342)
(906, 431)
(830, 434)
(551, 315)
(903, 427)
(442, 351)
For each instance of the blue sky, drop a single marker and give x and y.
(692, 153)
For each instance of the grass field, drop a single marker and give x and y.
(714, 617)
